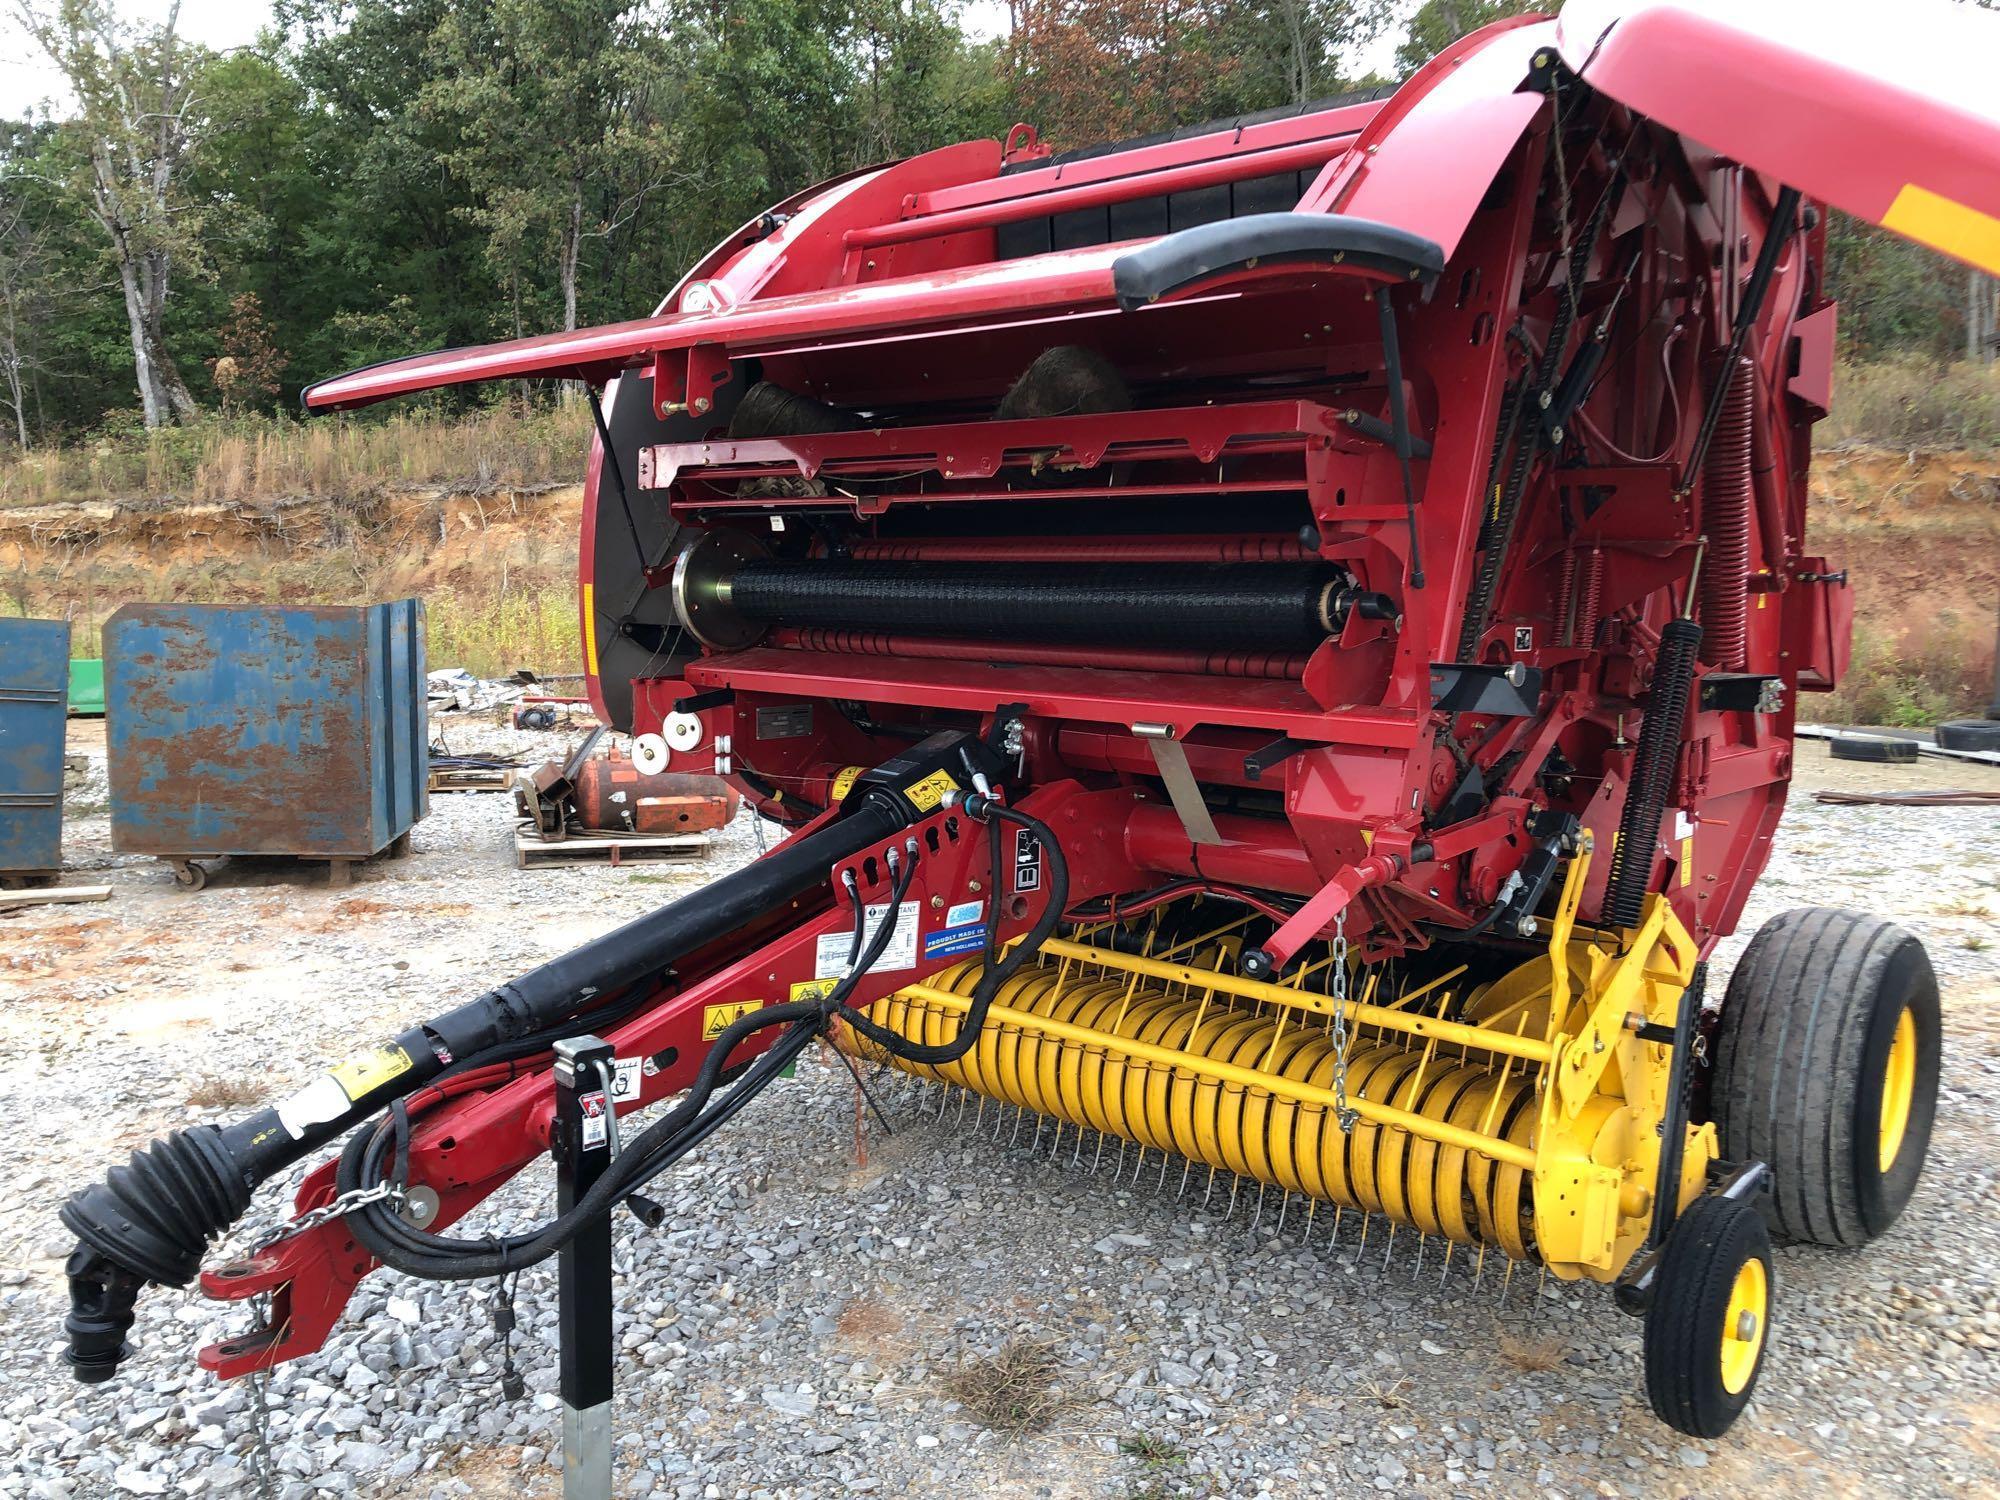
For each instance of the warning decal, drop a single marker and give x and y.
(925, 795)
(716, 1019)
(813, 989)
(844, 782)
(362, 1075)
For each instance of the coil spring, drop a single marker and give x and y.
(1725, 518)
(1434, 1188)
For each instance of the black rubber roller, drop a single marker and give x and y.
(1652, 775)
(1218, 607)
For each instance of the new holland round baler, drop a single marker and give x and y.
(1279, 646)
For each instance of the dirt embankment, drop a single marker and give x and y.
(1920, 536)
(1921, 532)
(475, 551)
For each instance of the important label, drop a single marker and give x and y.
(364, 1074)
(925, 795)
(716, 1019)
(830, 952)
(1027, 861)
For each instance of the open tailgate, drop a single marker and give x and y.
(1887, 111)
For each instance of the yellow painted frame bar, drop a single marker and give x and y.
(1429, 1028)
(1507, 1153)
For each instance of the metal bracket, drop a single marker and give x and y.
(1170, 759)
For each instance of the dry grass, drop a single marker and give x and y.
(225, 1091)
(1014, 1390)
(1914, 403)
(1531, 1354)
(246, 457)
(1912, 681)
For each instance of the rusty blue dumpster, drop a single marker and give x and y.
(280, 730)
(34, 683)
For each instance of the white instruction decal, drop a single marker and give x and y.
(830, 953)
(625, 1072)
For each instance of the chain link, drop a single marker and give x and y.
(264, 1471)
(338, 1208)
(1341, 1036)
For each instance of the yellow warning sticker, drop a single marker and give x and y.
(368, 1072)
(844, 782)
(925, 795)
(716, 1019)
(1687, 860)
(813, 989)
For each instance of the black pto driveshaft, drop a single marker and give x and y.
(150, 1221)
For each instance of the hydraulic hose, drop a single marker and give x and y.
(150, 1221)
(667, 1140)
(995, 974)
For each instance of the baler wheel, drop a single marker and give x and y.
(1826, 1067)
(1708, 1325)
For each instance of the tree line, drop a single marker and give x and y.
(195, 231)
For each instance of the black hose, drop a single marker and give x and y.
(667, 1140)
(994, 974)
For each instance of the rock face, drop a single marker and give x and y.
(799, 1326)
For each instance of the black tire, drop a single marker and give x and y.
(1802, 1057)
(1695, 1371)
(1969, 734)
(1890, 752)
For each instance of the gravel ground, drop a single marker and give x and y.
(803, 1326)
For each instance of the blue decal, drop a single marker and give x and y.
(947, 942)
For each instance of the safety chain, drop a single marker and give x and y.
(260, 1418)
(1341, 1110)
(338, 1208)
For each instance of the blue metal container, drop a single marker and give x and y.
(34, 689)
(265, 730)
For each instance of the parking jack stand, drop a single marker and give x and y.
(583, 1144)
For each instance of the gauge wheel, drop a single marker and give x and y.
(1826, 1068)
(1708, 1325)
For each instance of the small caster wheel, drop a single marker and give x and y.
(188, 875)
(1708, 1327)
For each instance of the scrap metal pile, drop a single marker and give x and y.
(1279, 643)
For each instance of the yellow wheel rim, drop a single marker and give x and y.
(1743, 1325)
(1899, 1086)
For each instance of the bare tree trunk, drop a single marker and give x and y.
(152, 401)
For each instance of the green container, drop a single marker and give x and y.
(86, 687)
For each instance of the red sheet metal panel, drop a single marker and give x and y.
(1888, 112)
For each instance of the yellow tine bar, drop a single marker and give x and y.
(1507, 1152)
(1533, 1049)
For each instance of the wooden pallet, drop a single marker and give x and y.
(456, 779)
(532, 852)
